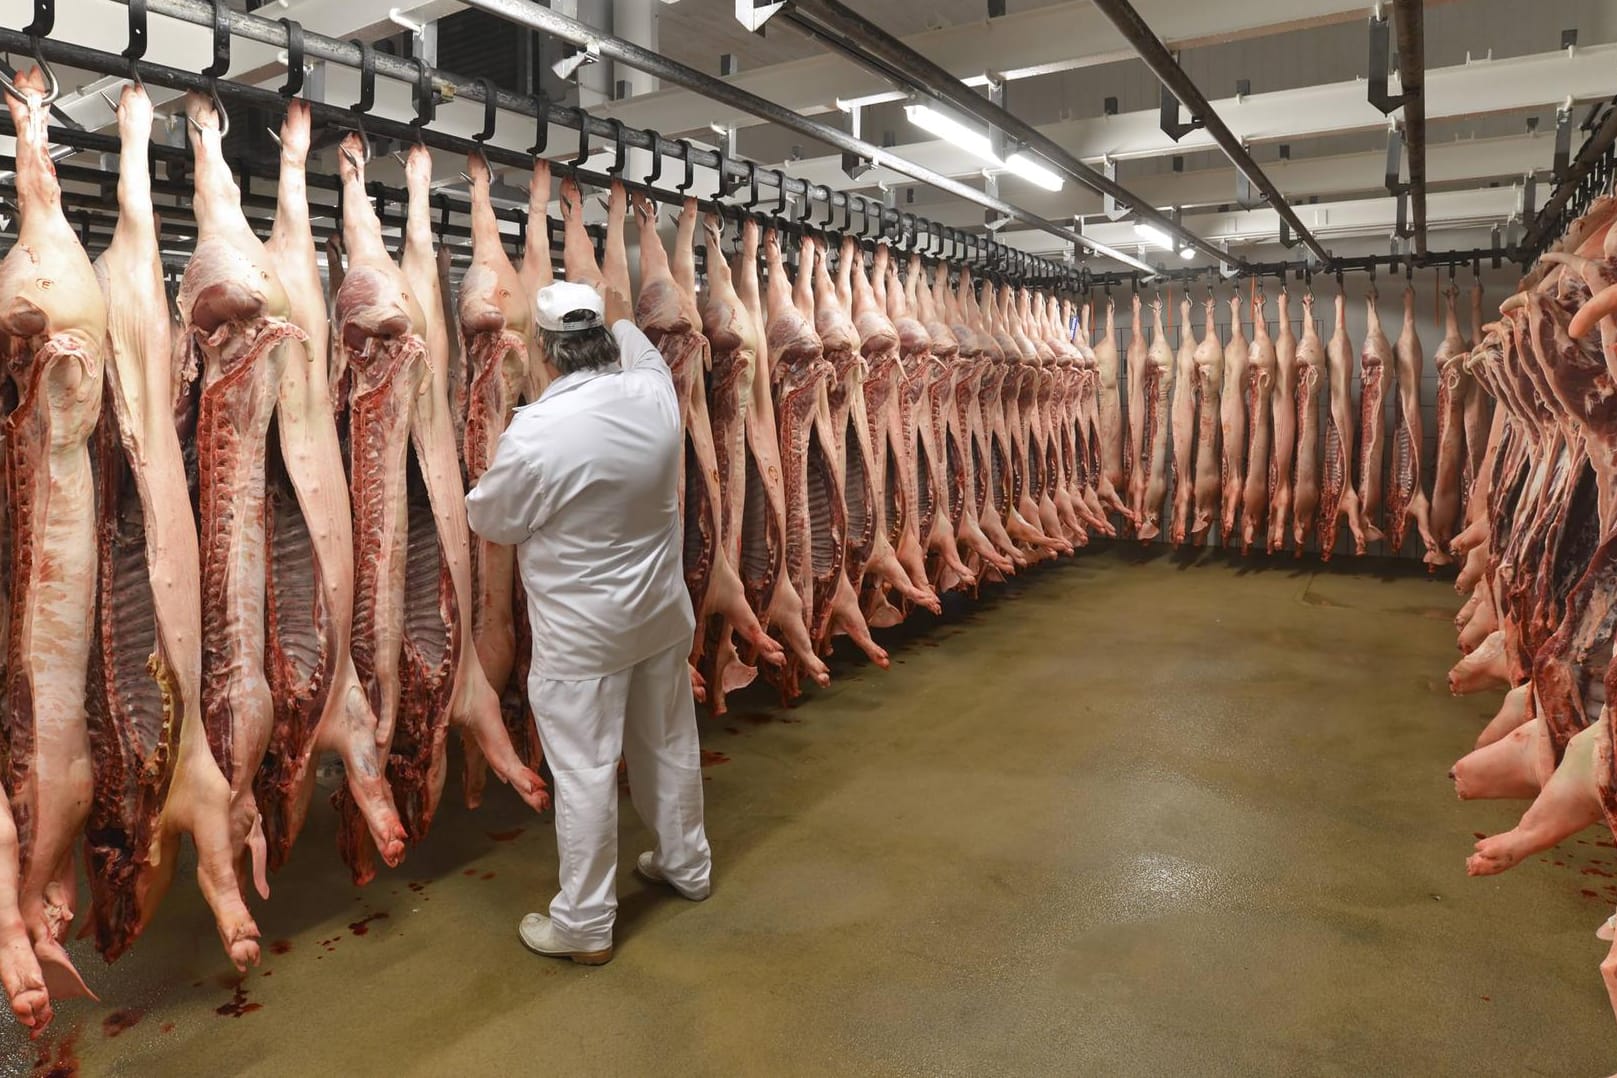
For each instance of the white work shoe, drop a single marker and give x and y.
(539, 935)
(646, 866)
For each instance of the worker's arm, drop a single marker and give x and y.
(506, 505)
(636, 351)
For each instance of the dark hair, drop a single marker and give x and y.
(579, 350)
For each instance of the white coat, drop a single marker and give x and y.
(584, 482)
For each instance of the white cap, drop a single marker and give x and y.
(557, 301)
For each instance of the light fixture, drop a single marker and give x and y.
(976, 143)
(1187, 252)
(1154, 236)
(952, 131)
(1030, 170)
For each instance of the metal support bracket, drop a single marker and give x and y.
(1380, 42)
(1113, 210)
(996, 135)
(1563, 143)
(854, 166)
(1244, 196)
(992, 220)
(1172, 126)
(1395, 161)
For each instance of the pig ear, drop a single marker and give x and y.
(62, 981)
(1602, 304)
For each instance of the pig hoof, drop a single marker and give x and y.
(1494, 855)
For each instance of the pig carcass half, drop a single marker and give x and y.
(53, 320)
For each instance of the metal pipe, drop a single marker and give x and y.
(987, 252)
(1341, 264)
(872, 46)
(525, 13)
(1157, 57)
(1409, 20)
(319, 47)
(1538, 235)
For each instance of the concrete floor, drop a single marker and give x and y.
(1125, 816)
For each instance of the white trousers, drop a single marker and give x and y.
(646, 715)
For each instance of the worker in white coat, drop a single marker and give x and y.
(584, 484)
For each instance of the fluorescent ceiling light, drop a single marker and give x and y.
(951, 130)
(1154, 236)
(1030, 170)
(976, 143)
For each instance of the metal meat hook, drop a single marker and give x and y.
(53, 89)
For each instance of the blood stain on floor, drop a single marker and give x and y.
(239, 1004)
(120, 1020)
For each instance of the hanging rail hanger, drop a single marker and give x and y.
(620, 150)
(656, 162)
(490, 112)
(281, 34)
(138, 40)
(43, 23)
(367, 95)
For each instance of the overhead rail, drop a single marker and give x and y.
(91, 211)
(93, 214)
(430, 85)
(1028, 42)
(546, 21)
(1163, 64)
(836, 24)
(1304, 270)
(1588, 175)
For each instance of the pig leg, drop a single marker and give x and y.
(846, 618)
(1484, 620)
(1482, 669)
(19, 969)
(1608, 973)
(1474, 535)
(1512, 714)
(1467, 609)
(1570, 802)
(1476, 561)
(1514, 767)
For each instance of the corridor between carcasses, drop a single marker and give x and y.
(1213, 834)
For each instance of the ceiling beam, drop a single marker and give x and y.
(1481, 87)
(1060, 37)
(1336, 177)
(1166, 67)
(846, 30)
(546, 21)
(1242, 229)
